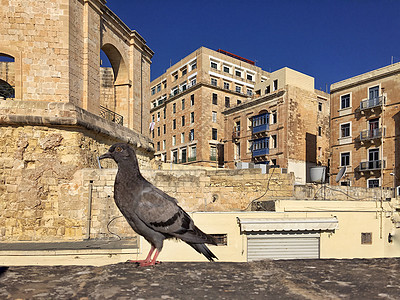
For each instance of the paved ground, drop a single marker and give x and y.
(296, 279)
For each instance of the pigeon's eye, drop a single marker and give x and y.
(118, 149)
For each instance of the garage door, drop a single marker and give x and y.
(283, 246)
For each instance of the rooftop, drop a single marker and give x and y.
(289, 279)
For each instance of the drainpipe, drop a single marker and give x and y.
(89, 213)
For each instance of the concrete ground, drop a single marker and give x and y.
(290, 279)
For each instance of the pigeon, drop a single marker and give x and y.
(149, 211)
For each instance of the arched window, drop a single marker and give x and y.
(7, 77)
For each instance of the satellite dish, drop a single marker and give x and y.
(341, 174)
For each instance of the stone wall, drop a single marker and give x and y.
(42, 146)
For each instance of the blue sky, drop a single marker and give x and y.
(329, 40)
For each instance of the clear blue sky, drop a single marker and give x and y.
(329, 40)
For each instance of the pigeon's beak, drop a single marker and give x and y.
(105, 155)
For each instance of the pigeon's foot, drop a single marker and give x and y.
(149, 263)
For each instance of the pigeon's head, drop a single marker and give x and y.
(120, 152)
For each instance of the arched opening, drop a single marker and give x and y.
(7, 77)
(114, 91)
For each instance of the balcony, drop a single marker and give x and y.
(260, 128)
(260, 152)
(372, 165)
(111, 116)
(369, 135)
(371, 103)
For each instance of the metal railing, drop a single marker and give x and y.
(111, 115)
(372, 165)
(376, 133)
(371, 103)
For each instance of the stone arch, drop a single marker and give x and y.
(118, 64)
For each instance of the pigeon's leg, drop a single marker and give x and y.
(151, 262)
(148, 258)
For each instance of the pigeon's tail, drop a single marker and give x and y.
(203, 249)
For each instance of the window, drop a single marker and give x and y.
(227, 102)
(191, 135)
(214, 82)
(175, 91)
(154, 103)
(173, 140)
(174, 108)
(191, 100)
(175, 76)
(193, 81)
(183, 120)
(238, 73)
(274, 141)
(153, 90)
(275, 84)
(158, 146)
(213, 153)
(183, 87)
(373, 183)
(184, 72)
(237, 150)
(174, 157)
(345, 101)
(163, 144)
(164, 129)
(192, 117)
(319, 106)
(214, 99)
(174, 124)
(319, 131)
(345, 130)
(158, 131)
(158, 117)
(183, 155)
(268, 89)
(193, 65)
(274, 118)
(214, 117)
(214, 65)
(373, 92)
(182, 137)
(165, 112)
(164, 84)
(183, 104)
(227, 69)
(238, 89)
(152, 118)
(238, 102)
(193, 152)
(366, 238)
(250, 77)
(226, 85)
(345, 159)
(214, 135)
(249, 92)
(158, 87)
(373, 154)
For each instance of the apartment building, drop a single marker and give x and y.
(365, 129)
(286, 125)
(187, 102)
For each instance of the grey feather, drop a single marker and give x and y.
(149, 211)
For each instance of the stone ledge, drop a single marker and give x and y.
(40, 113)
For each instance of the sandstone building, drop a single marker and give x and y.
(187, 103)
(55, 122)
(365, 129)
(287, 125)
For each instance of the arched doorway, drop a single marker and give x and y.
(114, 91)
(7, 76)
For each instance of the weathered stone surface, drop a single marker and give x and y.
(295, 279)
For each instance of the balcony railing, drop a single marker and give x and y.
(193, 158)
(371, 103)
(260, 128)
(367, 135)
(372, 165)
(260, 152)
(111, 116)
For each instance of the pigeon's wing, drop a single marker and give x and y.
(165, 216)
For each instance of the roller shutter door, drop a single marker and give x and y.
(283, 246)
